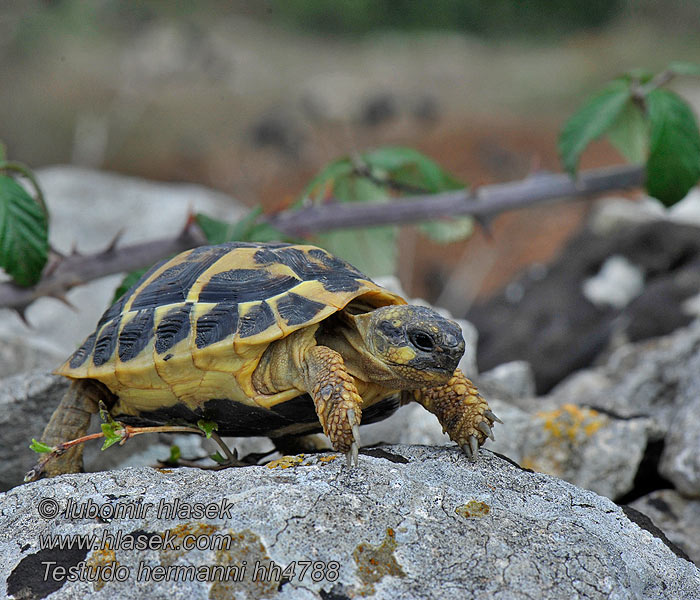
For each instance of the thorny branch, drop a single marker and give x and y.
(65, 273)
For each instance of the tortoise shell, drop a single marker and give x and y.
(188, 335)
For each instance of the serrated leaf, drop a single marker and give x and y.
(129, 280)
(24, 242)
(111, 436)
(448, 231)
(591, 121)
(207, 427)
(40, 447)
(630, 134)
(685, 68)
(674, 147)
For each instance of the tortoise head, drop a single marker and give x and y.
(413, 343)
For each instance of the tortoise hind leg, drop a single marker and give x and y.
(69, 421)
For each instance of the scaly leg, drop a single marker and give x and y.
(338, 405)
(464, 415)
(69, 421)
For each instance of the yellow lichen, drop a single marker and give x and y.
(325, 459)
(375, 562)
(286, 462)
(571, 422)
(102, 558)
(473, 508)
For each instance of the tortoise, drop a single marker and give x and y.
(266, 339)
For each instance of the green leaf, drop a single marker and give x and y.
(591, 121)
(216, 457)
(129, 280)
(207, 427)
(246, 230)
(674, 147)
(174, 454)
(685, 68)
(110, 432)
(322, 184)
(630, 134)
(40, 447)
(409, 168)
(24, 244)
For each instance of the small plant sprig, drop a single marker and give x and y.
(116, 432)
(647, 123)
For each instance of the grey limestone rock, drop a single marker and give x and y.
(409, 523)
(680, 461)
(678, 517)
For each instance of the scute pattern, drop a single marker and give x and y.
(173, 284)
(106, 342)
(136, 334)
(81, 354)
(256, 320)
(296, 309)
(173, 327)
(220, 322)
(244, 285)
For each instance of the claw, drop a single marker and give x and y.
(468, 451)
(474, 445)
(489, 415)
(486, 430)
(352, 455)
(355, 448)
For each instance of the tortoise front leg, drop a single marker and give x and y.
(464, 415)
(69, 421)
(338, 405)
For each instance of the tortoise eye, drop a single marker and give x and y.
(422, 340)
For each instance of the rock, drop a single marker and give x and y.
(89, 208)
(22, 352)
(515, 378)
(617, 283)
(408, 522)
(552, 322)
(677, 516)
(680, 461)
(26, 404)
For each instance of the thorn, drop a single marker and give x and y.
(22, 312)
(57, 253)
(485, 222)
(113, 244)
(53, 265)
(74, 248)
(63, 298)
